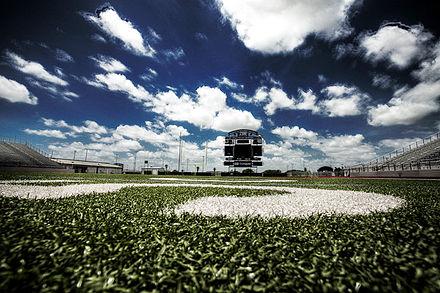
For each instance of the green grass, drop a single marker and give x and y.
(126, 241)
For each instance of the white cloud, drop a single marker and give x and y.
(230, 119)
(15, 92)
(151, 74)
(168, 135)
(46, 132)
(407, 106)
(343, 101)
(278, 100)
(111, 23)
(89, 126)
(98, 38)
(71, 94)
(286, 132)
(241, 97)
(208, 110)
(400, 45)
(342, 149)
(346, 149)
(63, 56)
(397, 143)
(119, 83)
(430, 68)
(382, 81)
(109, 64)
(34, 69)
(307, 101)
(66, 95)
(275, 98)
(175, 54)
(228, 83)
(281, 26)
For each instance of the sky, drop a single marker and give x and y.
(324, 82)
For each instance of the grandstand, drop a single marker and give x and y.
(21, 156)
(419, 159)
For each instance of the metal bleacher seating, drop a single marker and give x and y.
(420, 155)
(21, 155)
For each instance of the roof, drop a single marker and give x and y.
(86, 163)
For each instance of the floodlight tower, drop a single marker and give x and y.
(243, 148)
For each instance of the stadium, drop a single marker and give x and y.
(219, 146)
(226, 233)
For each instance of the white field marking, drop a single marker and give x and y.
(40, 181)
(298, 202)
(224, 181)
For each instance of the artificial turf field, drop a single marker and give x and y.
(129, 241)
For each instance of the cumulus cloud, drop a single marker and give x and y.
(109, 21)
(46, 132)
(120, 83)
(407, 106)
(342, 149)
(346, 149)
(397, 143)
(208, 110)
(307, 101)
(410, 104)
(396, 43)
(15, 92)
(275, 99)
(343, 101)
(281, 26)
(241, 97)
(294, 132)
(149, 75)
(224, 81)
(109, 64)
(230, 119)
(168, 135)
(88, 127)
(34, 69)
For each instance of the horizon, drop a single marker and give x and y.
(116, 80)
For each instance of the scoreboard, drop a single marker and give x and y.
(243, 148)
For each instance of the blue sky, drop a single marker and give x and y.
(325, 82)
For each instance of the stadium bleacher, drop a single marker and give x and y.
(421, 156)
(21, 155)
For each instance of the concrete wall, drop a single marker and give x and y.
(399, 174)
(29, 169)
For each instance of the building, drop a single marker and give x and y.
(79, 166)
(153, 170)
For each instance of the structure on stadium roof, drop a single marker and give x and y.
(243, 148)
(419, 159)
